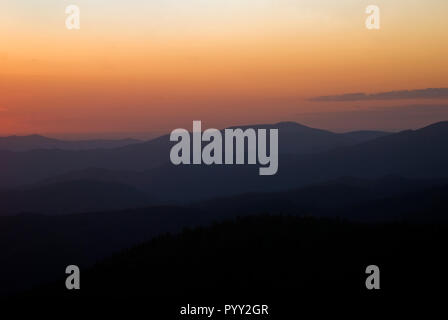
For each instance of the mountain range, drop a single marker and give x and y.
(85, 205)
(144, 170)
(19, 168)
(51, 242)
(35, 142)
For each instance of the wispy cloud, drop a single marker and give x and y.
(429, 93)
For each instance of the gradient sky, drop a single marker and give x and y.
(157, 65)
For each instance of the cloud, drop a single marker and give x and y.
(429, 93)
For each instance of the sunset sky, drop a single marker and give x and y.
(155, 65)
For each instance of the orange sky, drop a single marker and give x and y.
(135, 66)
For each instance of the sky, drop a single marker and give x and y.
(157, 65)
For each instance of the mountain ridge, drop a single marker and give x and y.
(36, 141)
(32, 166)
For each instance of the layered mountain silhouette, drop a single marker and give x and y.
(145, 167)
(355, 197)
(415, 154)
(59, 207)
(34, 142)
(48, 243)
(295, 138)
(271, 257)
(51, 242)
(72, 196)
(19, 168)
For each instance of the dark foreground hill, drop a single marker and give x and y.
(272, 257)
(390, 198)
(340, 197)
(35, 247)
(47, 244)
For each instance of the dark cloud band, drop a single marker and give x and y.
(430, 93)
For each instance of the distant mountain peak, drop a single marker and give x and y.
(30, 137)
(35, 135)
(290, 124)
(36, 141)
(23, 136)
(438, 125)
